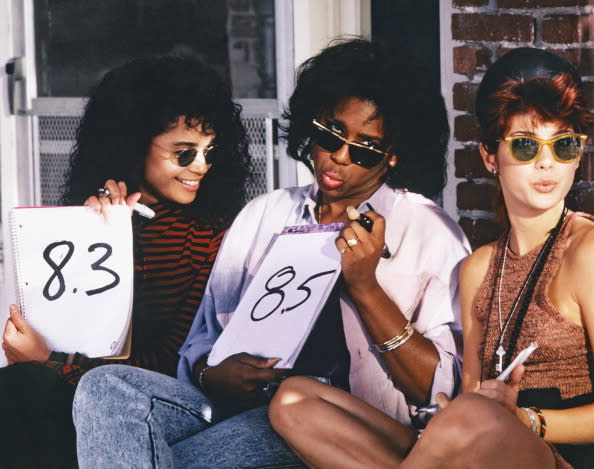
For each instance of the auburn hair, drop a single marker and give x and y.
(557, 99)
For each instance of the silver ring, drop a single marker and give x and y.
(102, 192)
(352, 242)
(342, 251)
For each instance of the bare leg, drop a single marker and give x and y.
(330, 428)
(476, 432)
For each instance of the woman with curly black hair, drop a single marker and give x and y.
(165, 131)
(375, 132)
(413, 114)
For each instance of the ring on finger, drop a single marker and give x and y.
(342, 250)
(352, 242)
(102, 192)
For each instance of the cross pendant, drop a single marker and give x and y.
(500, 352)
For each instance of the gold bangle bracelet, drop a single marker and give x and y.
(397, 338)
(532, 419)
(395, 342)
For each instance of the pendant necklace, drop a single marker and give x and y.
(503, 354)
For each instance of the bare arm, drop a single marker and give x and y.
(411, 366)
(576, 425)
(472, 273)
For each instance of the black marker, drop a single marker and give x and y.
(367, 223)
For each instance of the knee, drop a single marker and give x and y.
(282, 410)
(97, 392)
(469, 421)
(90, 387)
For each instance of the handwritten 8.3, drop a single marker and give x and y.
(59, 253)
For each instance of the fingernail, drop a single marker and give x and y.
(352, 212)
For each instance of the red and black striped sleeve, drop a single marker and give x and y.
(173, 259)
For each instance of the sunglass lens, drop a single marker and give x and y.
(211, 154)
(186, 157)
(524, 149)
(327, 140)
(364, 157)
(568, 148)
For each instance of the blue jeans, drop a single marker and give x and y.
(127, 417)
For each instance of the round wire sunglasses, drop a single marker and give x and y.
(187, 156)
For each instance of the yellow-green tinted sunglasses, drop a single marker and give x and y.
(565, 148)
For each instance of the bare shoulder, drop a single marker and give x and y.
(473, 271)
(475, 266)
(579, 252)
(578, 266)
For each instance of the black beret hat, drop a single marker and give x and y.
(522, 63)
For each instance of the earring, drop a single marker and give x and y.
(495, 171)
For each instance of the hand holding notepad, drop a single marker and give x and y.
(281, 304)
(74, 275)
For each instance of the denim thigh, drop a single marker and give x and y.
(128, 417)
(243, 441)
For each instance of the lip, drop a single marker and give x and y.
(544, 186)
(331, 180)
(189, 184)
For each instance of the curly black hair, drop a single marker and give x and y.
(137, 101)
(415, 119)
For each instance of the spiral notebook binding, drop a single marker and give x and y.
(16, 267)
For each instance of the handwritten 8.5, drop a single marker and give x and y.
(57, 256)
(275, 292)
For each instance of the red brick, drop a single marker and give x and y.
(563, 29)
(482, 27)
(540, 3)
(583, 59)
(465, 96)
(466, 129)
(469, 164)
(472, 196)
(471, 59)
(480, 231)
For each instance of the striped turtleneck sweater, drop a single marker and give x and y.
(173, 256)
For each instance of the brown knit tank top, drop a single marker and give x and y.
(561, 359)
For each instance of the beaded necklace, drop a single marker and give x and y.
(503, 355)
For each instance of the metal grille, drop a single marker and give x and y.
(56, 137)
(256, 129)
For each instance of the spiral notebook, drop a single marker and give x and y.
(284, 299)
(74, 277)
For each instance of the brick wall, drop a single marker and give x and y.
(483, 30)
